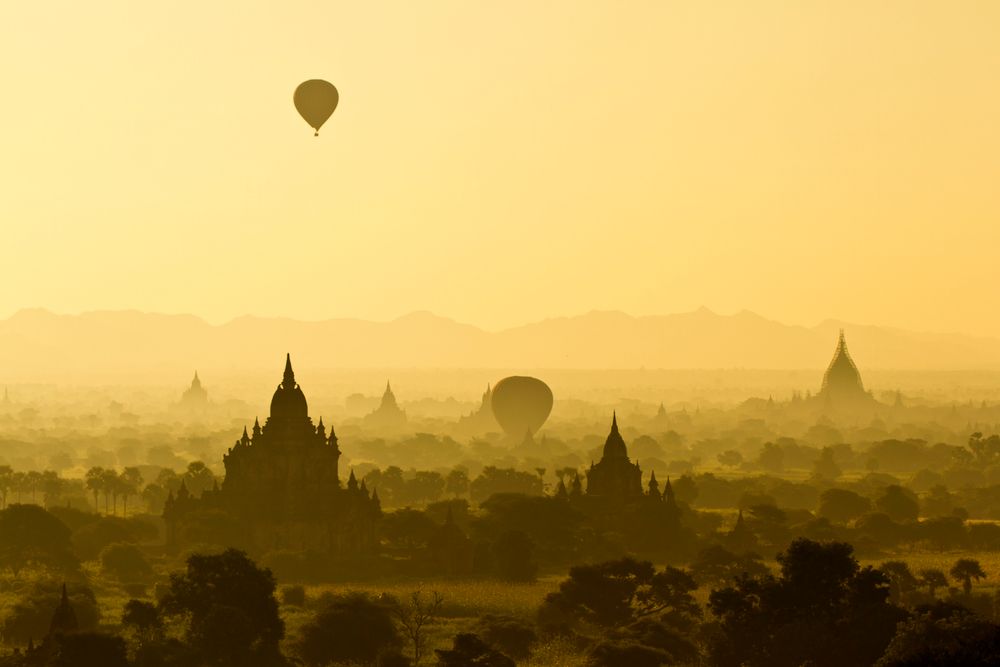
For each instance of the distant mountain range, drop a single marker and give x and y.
(38, 343)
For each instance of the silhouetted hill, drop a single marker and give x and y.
(40, 344)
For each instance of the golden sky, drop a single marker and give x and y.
(501, 162)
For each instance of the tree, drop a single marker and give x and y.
(408, 528)
(899, 503)
(823, 609)
(19, 484)
(614, 654)
(493, 480)
(469, 650)
(30, 536)
(932, 578)
(508, 634)
(6, 483)
(826, 467)
(842, 506)
(90, 538)
(457, 482)
(901, 579)
(718, 565)
(52, 487)
(95, 483)
(130, 483)
(425, 486)
(32, 482)
(110, 485)
(730, 458)
(942, 635)
(90, 649)
(143, 620)
(616, 593)
(771, 458)
(31, 615)
(230, 607)
(965, 570)
(126, 563)
(349, 628)
(414, 616)
(198, 478)
(512, 556)
(553, 526)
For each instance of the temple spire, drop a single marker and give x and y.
(289, 378)
(654, 486)
(614, 421)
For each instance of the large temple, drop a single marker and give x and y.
(842, 386)
(614, 476)
(282, 486)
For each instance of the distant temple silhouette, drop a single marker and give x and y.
(614, 476)
(842, 386)
(282, 486)
(194, 395)
(388, 415)
(482, 419)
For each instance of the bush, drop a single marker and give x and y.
(507, 634)
(125, 563)
(608, 654)
(350, 628)
(90, 539)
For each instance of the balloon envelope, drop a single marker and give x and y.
(521, 404)
(315, 101)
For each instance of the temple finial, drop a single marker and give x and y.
(614, 421)
(289, 379)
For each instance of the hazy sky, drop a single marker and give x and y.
(500, 162)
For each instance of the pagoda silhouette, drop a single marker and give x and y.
(282, 487)
(842, 386)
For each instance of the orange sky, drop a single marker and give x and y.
(504, 162)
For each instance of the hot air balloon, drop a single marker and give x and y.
(315, 101)
(521, 404)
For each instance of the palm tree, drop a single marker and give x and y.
(131, 480)
(32, 481)
(965, 570)
(51, 487)
(933, 579)
(6, 481)
(109, 484)
(95, 482)
(18, 483)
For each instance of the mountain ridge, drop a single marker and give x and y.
(40, 341)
